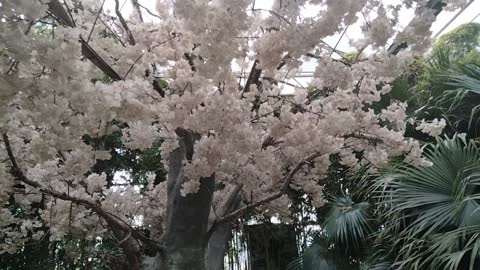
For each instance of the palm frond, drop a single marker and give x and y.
(432, 208)
(347, 224)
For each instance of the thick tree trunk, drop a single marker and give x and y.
(217, 246)
(187, 217)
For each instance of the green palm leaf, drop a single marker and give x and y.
(436, 207)
(347, 224)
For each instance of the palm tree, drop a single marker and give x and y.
(422, 218)
(434, 212)
(464, 110)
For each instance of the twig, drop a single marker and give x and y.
(95, 21)
(131, 40)
(274, 13)
(338, 41)
(136, 5)
(148, 11)
(131, 67)
(117, 37)
(70, 13)
(14, 63)
(283, 190)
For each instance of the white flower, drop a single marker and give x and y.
(96, 182)
(433, 128)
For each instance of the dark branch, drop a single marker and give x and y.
(131, 40)
(120, 227)
(148, 11)
(287, 180)
(60, 13)
(91, 55)
(136, 5)
(131, 67)
(88, 52)
(253, 77)
(95, 22)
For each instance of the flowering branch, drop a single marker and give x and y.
(120, 228)
(283, 190)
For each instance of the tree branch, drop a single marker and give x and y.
(149, 11)
(57, 9)
(95, 21)
(120, 228)
(131, 40)
(136, 5)
(253, 77)
(91, 55)
(283, 190)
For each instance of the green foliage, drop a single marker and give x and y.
(460, 41)
(421, 218)
(443, 83)
(415, 218)
(429, 206)
(42, 29)
(322, 256)
(136, 163)
(65, 254)
(347, 224)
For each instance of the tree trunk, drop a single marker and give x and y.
(217, 244)
(187, 217)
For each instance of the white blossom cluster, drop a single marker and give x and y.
(253, 137)
(433, 128)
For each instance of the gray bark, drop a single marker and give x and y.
(190, 241)
(217, 244)
(187, 217)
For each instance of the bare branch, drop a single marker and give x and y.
(136, 5)
(131, 67)
(62, 15)
(95, 22)
(88, 52)
(91, 55)
(287, 180)
(69, 13)
(273, 13)
(131, 40)
(338, 41)
(148, 11)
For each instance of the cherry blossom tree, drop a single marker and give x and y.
(231, 144)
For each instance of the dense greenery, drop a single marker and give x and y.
(408, 217)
